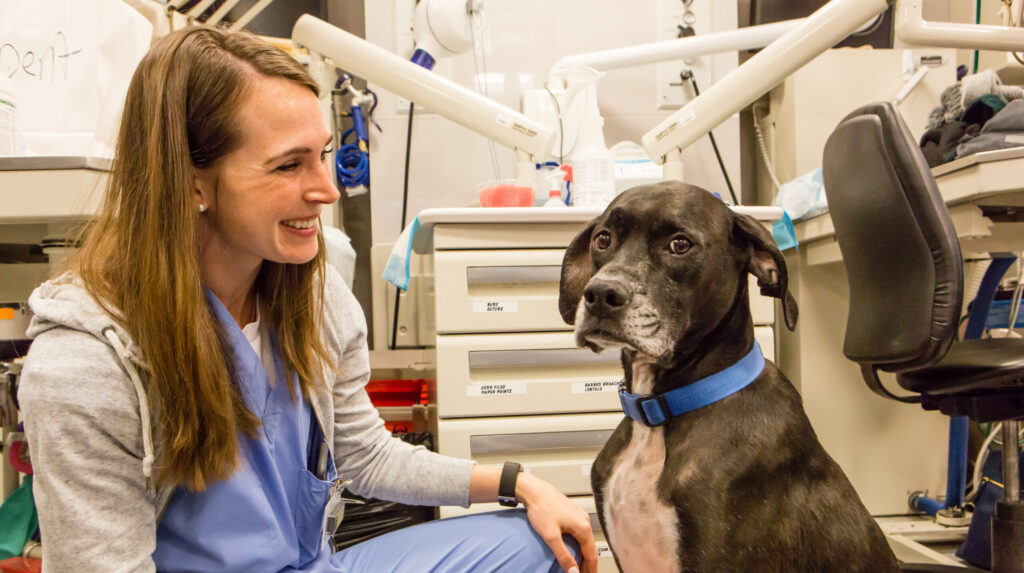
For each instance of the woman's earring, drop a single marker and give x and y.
(202, 207)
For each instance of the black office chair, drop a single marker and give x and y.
(905, 275)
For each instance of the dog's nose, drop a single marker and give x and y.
(606, 298)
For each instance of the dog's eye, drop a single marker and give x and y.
(602, 240)
(679, 245)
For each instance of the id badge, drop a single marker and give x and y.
(334, 512)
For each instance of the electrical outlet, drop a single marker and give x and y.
(672, 91)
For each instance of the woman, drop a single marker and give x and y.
(190, 379)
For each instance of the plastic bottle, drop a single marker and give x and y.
(555, 180)
(592, 161)
(8, 117)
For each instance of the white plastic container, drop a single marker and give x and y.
(593, 168)
(8, 117)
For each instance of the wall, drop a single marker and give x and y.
(527, 37)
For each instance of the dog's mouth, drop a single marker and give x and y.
(602, 334)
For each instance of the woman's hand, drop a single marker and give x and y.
(551, 514)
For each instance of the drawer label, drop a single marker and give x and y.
(495, 306)
(496, 389)
(600, 386)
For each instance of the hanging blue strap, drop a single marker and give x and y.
(657, 409)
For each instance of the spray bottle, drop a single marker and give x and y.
(555, 180)
(592, 162)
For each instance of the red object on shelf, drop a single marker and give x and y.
(21, 565)
(398, 393)
(388, 393)
(506, 194)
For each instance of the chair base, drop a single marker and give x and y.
(1008, 538)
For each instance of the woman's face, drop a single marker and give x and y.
(264, 199)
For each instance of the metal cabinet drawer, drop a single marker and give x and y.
(517, 291)
(558, 449)
(498, 291)
(523, 373)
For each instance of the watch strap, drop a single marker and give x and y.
(507, 484)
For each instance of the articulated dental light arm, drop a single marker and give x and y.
(912, 28)
(680, 48)
(738, 89)
(531, 140)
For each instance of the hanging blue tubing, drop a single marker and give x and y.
(353, 159)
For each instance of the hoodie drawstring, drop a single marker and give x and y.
(140, 391)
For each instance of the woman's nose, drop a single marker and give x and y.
(321, 188)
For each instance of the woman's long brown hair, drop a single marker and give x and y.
(140, 259)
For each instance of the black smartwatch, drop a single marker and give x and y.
(507, 485)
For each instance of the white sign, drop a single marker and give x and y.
(504, 389)
(495, 306)
(601, 386)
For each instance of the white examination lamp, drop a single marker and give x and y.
(441, 29)
(531, 141)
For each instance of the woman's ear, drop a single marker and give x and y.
(203, 184)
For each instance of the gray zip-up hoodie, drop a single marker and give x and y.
(93, 447)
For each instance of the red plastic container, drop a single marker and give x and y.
(388, 393)
(505, 193)
(397, 393)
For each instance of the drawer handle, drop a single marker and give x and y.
(540, 357)
(523, 274)
(539, 441)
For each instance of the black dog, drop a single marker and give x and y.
(741, 484)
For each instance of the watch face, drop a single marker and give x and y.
(507, 501)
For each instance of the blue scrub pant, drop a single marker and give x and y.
(495, 541)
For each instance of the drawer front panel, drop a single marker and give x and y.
(517, 291)
(523, 373)
(557, 449)
(498, 291)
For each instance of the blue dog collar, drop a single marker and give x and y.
(657, 409)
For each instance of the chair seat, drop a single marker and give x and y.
(971, 367)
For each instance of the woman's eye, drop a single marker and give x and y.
(290, 166)
(679, 245)
(602, 240)
(325, 153)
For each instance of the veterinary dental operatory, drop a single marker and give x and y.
(525, 286)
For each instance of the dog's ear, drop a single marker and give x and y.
(577, 268)
(766, 263)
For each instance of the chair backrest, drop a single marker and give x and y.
(900, 249)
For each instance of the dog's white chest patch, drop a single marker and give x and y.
(643, 530)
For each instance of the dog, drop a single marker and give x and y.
(741, 484)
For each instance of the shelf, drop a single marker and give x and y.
(48, 189)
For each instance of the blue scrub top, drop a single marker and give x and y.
(268, 516)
